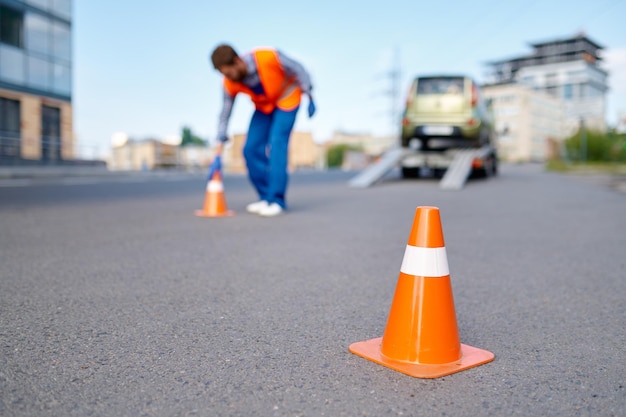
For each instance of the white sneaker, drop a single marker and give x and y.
(257, 207)
(271, 210)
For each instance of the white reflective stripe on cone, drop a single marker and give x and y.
(215, 186)
(425, 262)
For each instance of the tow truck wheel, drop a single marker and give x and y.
(439, 172)
(410, 172)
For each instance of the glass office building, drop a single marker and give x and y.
(36, 80)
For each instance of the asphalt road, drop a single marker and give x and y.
(116, 301)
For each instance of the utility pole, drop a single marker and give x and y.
(583, 141)
(393, 93)
(395, 76)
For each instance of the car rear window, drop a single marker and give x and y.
(440, 85)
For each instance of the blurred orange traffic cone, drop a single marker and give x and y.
(421, 338)
(214, 199)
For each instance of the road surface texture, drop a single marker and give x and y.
(115, 300)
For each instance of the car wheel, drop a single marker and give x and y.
(410, 172)
(490, 169)
(478, 173)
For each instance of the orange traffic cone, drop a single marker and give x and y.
(421, 338)
(214, 199)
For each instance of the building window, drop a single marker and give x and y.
(62, 8)
(50, 133)
(42, 4)
(38, 73)
(594, 91)
(528, 80)
(36, 49)
(47, 37)
(61, 42)
(576, 74)
(37, 34)
(62, 79)
(551, 77)
(11, 64)
(553, 91)
(11, 27)
(9, 129)
(568, 92)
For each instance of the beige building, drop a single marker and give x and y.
(134, 155)
(526, 121)
(367, 148)
(129, 154)
(43, 127)
(372, 146)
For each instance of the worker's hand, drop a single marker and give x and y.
(219, 148)
(216, 166)
(311, 109)
(222, 139)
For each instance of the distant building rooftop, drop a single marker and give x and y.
(577, 48)
(580, 36)
(569, 49)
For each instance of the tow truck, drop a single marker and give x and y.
(447, 131)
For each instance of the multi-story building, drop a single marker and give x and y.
(567, 69)
(527, 122)
(36, 81)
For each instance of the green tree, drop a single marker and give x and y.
(188, 138)
(589, 146)
(334, 156)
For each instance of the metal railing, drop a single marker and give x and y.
(18, 150)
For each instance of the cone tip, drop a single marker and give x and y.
(426, 231)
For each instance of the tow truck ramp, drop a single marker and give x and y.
(461, 167)
(457, 172)
(378, 170)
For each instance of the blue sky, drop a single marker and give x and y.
(142, 67)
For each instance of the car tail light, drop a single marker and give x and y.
(474, 95)
(477, 163)
(409, 96)
(405, 121)
(472, 122)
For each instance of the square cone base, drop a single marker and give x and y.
(201, 213)
(470, 357)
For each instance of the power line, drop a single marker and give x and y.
(394, 76)
(602, 10)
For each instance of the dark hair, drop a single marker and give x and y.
(223, 55)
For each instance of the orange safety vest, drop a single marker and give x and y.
(279, 90)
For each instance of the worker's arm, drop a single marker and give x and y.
(294, 69)
(224, 117)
